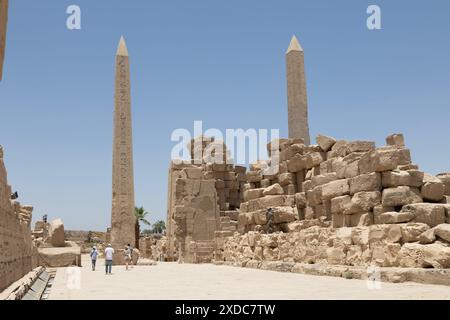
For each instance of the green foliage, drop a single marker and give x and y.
(159, 226)
(140, 214)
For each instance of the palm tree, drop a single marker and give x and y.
(140, 214)
(159, 226)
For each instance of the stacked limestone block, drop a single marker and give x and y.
(348, 183)
(354, 205)
(17, 253)
(387, 245)
(272, 197)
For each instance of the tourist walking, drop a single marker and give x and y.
(127, 255)
(109, 254)
(94, 255)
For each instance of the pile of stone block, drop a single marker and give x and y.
(350, 183)
(407, 245)
(342, 203)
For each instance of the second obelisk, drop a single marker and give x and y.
(123, 220)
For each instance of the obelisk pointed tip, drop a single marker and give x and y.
(294, 45)
(122, 48)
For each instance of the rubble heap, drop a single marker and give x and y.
(342, 203)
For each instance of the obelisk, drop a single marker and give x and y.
(122, 217)
(296, 91)
(3, 25)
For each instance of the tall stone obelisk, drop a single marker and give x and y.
(296, 91)
(3, 25)
(122, 217)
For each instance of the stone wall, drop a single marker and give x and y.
(385, 245)
(342, 203)
(201, 195)
(18, 256)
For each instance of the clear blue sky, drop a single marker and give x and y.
(217, 61)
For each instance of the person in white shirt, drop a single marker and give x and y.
(109, 254)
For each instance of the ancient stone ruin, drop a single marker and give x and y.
(18, 256)
(336, 203)
(203, 199)
(330, 207)
(53, 248)
(344, 203)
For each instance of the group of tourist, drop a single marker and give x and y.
(109, 255)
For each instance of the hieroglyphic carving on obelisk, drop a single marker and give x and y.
(296, 90)
(3, 24)
(122, 218)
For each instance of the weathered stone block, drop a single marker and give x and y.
(443, 231)
(323, 179)
(314, 159)
(340, 204)
(314, 197)
(325, 142)
(57, 233)
(326, 166)
(432, 189)
(445, 179)
(194, 173)
(322, 210)
(392, 179)
(265, 183)
(335, 189)
(254, 176)
(253, 194)
(395, 139)
(339, 149)
(429, 213)
(400, 196)
(384, 159)
(360, 146)
(274, 189)
(415, 178)
(283, 214)
(365, 182)
(300, 199)
(393, 217)
(337, 220)
(297, 163)
(307, 185)
(286, 178)
(260, 217)
(363, 201)
(415, 255)
(382, 209)
(427, 237)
